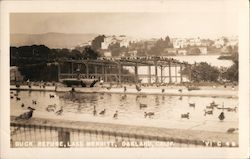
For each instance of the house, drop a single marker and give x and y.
(182, 52)
(203, 50)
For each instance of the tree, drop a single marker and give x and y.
(97, 42)
(89, 53)
(202, 72)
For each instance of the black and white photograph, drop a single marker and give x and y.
(126, 79)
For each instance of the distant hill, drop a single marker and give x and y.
(52, 40)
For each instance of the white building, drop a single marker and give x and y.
(203, 50)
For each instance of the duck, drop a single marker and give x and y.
(149, 114)
(185, 115)
(51, 108)
(27, 115)
(51, 96)
(115, 116)
(124, 89)
(102, 112)
(162, 90)
(34, 102)
(109, 88)
(94, 111)
(180, 90)
(232, 109)
(209, 112)
(232, 130)
(59, 112)
(143, 105)
(192, 105)
(221, 116)
(22, 105)
(138, 88)
(210, 107)
(18, 98)
(11, 97)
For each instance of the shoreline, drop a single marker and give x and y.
(172, 91)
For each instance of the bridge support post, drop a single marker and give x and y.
(149, 74)
(119, 73)
(136, 72)
(87, 70)
(181, 73)
(161, 74)
(169, 72)
(156, 71)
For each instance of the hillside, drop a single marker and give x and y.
(52, 40)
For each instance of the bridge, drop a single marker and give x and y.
(159, 69)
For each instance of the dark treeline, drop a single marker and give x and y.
(36, 62)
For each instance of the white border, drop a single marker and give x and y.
(126, 6)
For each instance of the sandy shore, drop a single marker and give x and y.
(168, 90)
(171, 134)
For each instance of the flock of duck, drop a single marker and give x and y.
(54, 108)
(29, 114)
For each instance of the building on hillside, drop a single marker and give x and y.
(170, 51)
(203, 50)
(132, 53)
(107, 54)
(182, 52)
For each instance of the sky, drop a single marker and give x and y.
(141, 25)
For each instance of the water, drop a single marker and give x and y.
(167, 109)
(175, 70)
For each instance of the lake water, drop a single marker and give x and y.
(167, 109)
(175, 71)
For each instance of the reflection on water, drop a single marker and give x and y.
(130, 107)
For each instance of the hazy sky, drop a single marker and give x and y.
(147, 25)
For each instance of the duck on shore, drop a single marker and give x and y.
(138, 88)
(34, 102)
(26, 115)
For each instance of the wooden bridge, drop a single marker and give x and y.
(115, 69)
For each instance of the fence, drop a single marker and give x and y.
(31, 135)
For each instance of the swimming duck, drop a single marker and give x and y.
(115, 116)
(51, 96)
(192, 105)
(162, 90)
(59, 112)
(185, 115)
(232, 130)
(149, 114)
(102, 112)
(221, 116)
(143, 105)
(209, 112)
